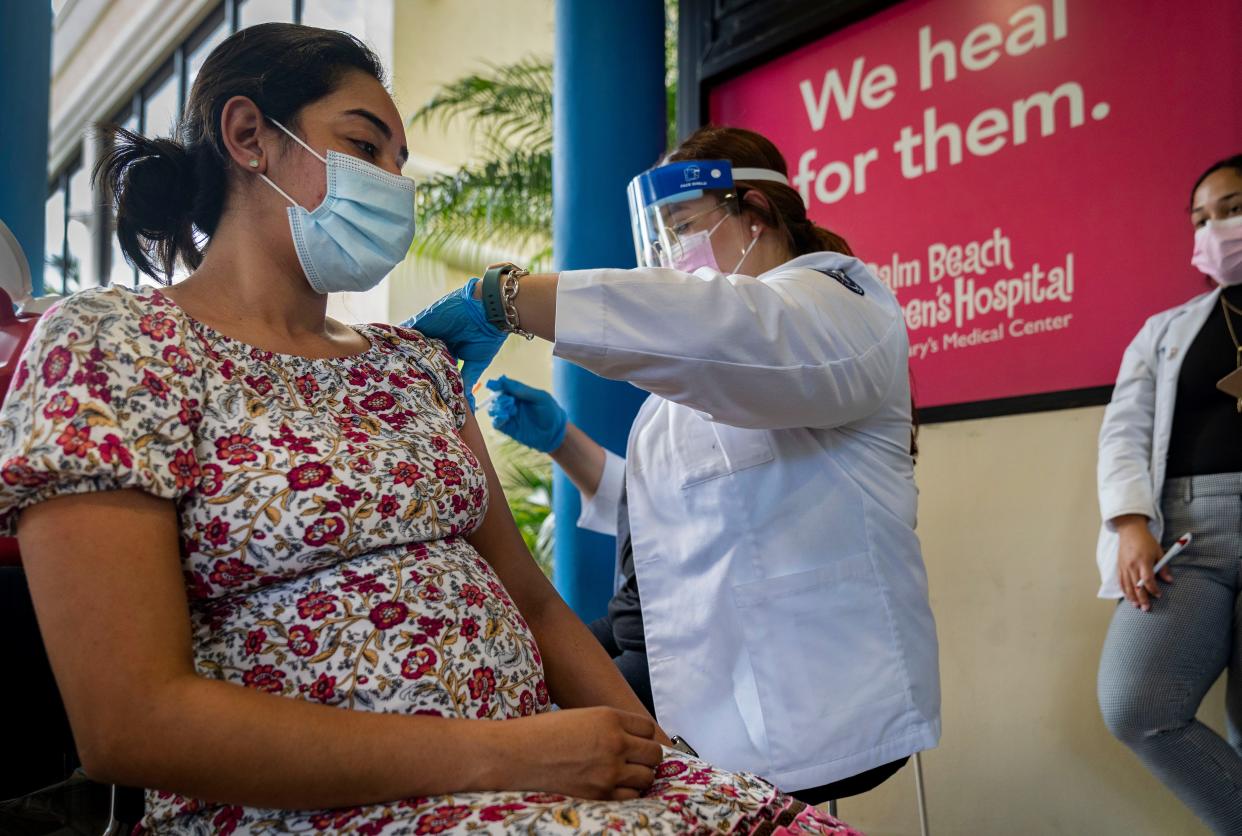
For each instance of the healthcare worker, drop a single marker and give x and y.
(1170, 464)
(769, 477)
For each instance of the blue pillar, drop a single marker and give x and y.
(25, 75)
(609, 119)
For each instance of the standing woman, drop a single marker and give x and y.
(770, 495)
(1171, 463)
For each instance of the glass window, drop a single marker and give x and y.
(80, 268)
(197, 51)
(119, 271)
(54, 242)
(264, 11)
(159, 107)
(346, 15)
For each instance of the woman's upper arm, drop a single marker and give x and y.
(498, 539)
(105, 575)
(1125, 442)
(1131, 410)
(796, 349)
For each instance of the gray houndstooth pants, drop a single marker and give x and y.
(1157, 666)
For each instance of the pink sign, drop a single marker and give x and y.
(1018, 172)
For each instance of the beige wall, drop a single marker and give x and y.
(1008, 520)
(438, 41)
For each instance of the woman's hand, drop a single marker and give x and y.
(1138, 554)
(528, 415)
(457, 320)
(596, 753)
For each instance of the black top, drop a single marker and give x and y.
(624, 610)
(1207, 427)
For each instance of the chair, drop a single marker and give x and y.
(919, 792)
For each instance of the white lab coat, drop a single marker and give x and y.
(772, 510)
(1134, 438)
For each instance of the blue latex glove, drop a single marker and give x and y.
(528, 415)
(457, 320)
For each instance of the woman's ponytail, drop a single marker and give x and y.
(154, 185)
(809, 237)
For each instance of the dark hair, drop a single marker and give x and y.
(1234, 162)
(747, 149)
(169, 193)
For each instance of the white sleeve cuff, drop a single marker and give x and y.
(599, 514)
(1132, 498)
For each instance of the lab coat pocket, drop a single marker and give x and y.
(712, 450)
(826, 660)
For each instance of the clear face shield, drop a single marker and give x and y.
(675, 208)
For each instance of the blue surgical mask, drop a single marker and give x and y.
(361, 230)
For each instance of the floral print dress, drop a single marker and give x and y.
(323, 506)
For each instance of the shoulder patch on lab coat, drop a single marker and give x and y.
(845, 280)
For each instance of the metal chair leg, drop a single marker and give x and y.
(114, 826)
(922, 796)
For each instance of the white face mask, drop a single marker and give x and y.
(1218, 250)
(361, 230)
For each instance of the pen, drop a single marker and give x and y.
(1174, 551)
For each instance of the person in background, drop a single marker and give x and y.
(260, 545)
(1171, 463)
(775, 604)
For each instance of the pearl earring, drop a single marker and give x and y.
(754, 228)
(254, 163)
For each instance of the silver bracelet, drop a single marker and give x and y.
(508, 293)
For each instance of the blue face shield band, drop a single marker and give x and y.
(665, 230)
(361, 230)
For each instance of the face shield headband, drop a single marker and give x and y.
(657, 240)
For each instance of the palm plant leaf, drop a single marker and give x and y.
(527, 482)
(508, 106)
(506, 197)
